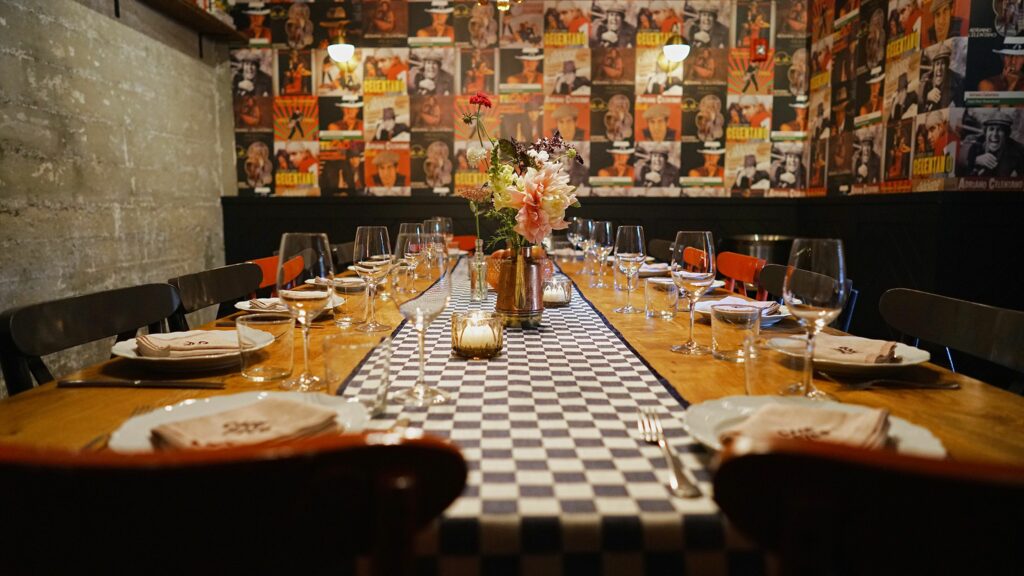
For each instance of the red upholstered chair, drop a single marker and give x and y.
(268, 265)
(830, 509)
(741, 273)
(303, 507)
(467, 242)
(692, 256)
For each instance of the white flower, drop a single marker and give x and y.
(503, 179)
(476, 154)
(539, 156)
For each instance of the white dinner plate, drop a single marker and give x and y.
(796, 346)
(703, 308)
(134, 434)
(647, 259)
(128, 349)
(706, 422)
(336, 301)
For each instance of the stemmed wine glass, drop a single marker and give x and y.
(629, 256)
(305, 274)
(371, 253)
(693, 271)
(814, 290)
(447, 228)
(409, 255)
(434, 228)
(601, 241)
(578, 232)
(420, 306)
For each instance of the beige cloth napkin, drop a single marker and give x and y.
(656, 269)
(187, 344)
(767, 307)
(270, 420)
(854, 349)
(869, 429)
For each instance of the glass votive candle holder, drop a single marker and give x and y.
(477, 334)
(557, 291)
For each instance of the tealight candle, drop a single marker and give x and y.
(476, 334)
(557, 291)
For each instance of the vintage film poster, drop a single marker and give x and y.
(657, 22)
(252, 72)
(387, 169)
(748, 169)
(432, 71)
(294, 73)
(997, 77)
(901, 88)
(996, 18)
(847, 11)
(253, 163)
(386, 119)
(476, 26)
(749, 77)
(432, 113)
(522, 26)
(942, 75)
(611, 114)
(753, 22)
(706, 66)
(570, 119)
(821, 63)
(479, 69)
(703, 166)
(749, 118)
(385, 22)
(567, 71)
(337, 22)
(491, 118)
(566, 23)
(291, 25)
(341, 168)
(431, 157)
(902, 28)
(253, 22)
(817, 181)
(385, 71)
(338, 78)
(658, 120)
(791, 19)
(991, 151)
(296, 168)
(935, 150)
(579, 174)
(254, 113)
(870, 100)
(614, 164)
(341, 118)
(842, 57)
(869, 58)
(521, 70)
(613, 24)
(898, 150)
(789, 118)
(792, 72)
(613, 66)
(656, 169)
(787, 172)
(704, 114)
(840, 148)
(867, 159)
(296, 118)
(467, 177)
(822, 19)
(841, 120)
(819, 107)
(655, 75)
(431, 23)
(942, 19)
(707, 23)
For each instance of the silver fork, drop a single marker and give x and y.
(649, 425)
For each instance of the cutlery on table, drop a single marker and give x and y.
(140, 384)
(891, 384)
(649, 424)
(231, 324)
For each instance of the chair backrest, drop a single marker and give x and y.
(741, 272)
(268, 266)
(209, 287)
(694, 257)
(991, 333)
(465, 242)
(660, 250)
(342, 255)
(307, 506)
(830, 509)
(29, 332)
(773, 276)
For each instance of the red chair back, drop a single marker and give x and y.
(467, 242)
(268, 266)
(693, 257)
(742, 272)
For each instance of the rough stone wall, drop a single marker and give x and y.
(115, 147)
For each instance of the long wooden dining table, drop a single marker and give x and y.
(977, 422)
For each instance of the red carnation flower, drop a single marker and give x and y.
(481, 99)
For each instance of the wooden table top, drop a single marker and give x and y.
(976, 422)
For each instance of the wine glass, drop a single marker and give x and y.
(629, 256)
(406, 227)
(814, 290)
(409, 254)
(602, 242)
(693, 271)
(434, 227)
(420, 306)
(447, 228)
(371, 253)
(579, 232)
(305, 274)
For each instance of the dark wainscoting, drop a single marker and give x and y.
(962, 244)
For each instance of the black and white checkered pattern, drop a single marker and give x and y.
(559, 481)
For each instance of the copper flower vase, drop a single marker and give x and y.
(521, 289)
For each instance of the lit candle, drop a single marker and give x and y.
(554, 294)
(557, 290)
(476, 336)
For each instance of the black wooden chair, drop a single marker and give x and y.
(30, 332)
(342, 256)
(990, 333)
(301, 507)
(224, 285)
(844, 511)
(660, 250)
(773, 276)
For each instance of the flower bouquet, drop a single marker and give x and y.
(527, 192)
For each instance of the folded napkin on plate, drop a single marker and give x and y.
(868, 429)
(187, 344)
(267, 304)
(656, 269)
(767, 307)
(270, 420)
(854, 349)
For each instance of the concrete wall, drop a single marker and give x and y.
(115, 146)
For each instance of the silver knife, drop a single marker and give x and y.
(139, 384)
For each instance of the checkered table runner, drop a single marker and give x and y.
(559, 480)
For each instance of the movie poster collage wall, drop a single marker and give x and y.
(783, 98)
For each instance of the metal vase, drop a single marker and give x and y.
(521, 290)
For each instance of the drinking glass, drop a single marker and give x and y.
(346, 355)
(266, 343)
(420, 307)
(629, 256)
(304, 257)
(350, 294)
(814, 290)
(410, 227)
(434, 227)
(693, 271)
(661, 295)
(410, 253)
(732, 325)
(447, 228)
(602, 242)
(371, 253)
(582, 236)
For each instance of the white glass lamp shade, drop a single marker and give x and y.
(676, 52)
(341, 52)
